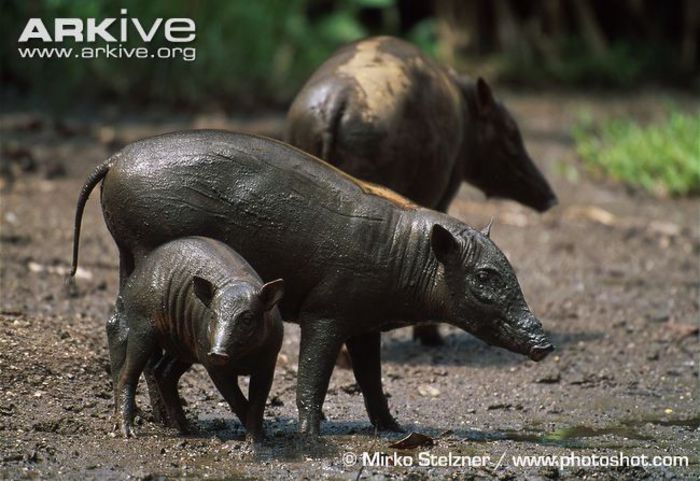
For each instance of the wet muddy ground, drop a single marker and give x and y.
(613, 274)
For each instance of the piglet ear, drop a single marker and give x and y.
(271, 294)
(203, 289)
(484, 97)
(443, 243)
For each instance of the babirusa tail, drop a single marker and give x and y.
(331, 130)
(93, 179)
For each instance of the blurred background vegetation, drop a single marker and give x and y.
(257, 54)
(661, 157)
(253, 53)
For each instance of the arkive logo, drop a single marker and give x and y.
(111, 34)
(175, 29)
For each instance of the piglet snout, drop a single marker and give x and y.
(218, 358)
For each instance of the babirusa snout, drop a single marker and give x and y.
(539, 345)
(538, 353)
(535, 191)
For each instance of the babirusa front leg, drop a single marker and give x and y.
(319, 348)
(366, 364)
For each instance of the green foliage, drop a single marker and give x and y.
(663, 158)
(571, 63)
(424, 35)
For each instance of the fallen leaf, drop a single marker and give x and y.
(591, 213)
(682, 330)
(413, 441)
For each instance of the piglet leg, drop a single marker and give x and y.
(260, 384)
(116, 340)
(160, 414)
(167, 375)
(227, 384)
(139, 349)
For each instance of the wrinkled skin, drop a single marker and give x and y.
(356, 258)
(382, 111)
(199, 301)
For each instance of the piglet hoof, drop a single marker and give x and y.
(182, 426)
(160, 415)
(184, 429)
(128, 431)
(116, 423)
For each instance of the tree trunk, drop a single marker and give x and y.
(590, 30)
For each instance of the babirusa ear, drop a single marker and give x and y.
(487, 230)
(484, 97)
(203, 289)
(271, 294)
(443, 243)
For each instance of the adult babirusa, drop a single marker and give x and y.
(382, 111)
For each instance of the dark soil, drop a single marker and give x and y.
(613, 274)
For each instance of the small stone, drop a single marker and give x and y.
(352, 388)
(492, 407)
(552, 377)
(427, 390)
(550, 472)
